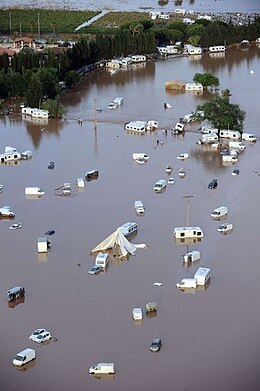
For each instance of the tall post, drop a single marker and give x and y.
(39, 30)
(20, 29)
(10, 23)
(95, 112)
(188, 209)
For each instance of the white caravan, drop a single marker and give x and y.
(188, 232)
(202, 275)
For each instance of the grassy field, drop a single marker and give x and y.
(117, 19)
(50, 21)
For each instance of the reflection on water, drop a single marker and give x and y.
(26, 367)
(14, 303)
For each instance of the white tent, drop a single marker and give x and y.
(118, 242)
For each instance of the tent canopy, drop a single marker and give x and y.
(118, 242)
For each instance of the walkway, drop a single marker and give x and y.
(90, 21)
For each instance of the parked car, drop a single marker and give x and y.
(225, 227)
(35, 334)
(94, 270)
(183, 156)
(213, 184)
(43, 337)
(90, 175)
(156, 345)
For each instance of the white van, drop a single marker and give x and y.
(209, 138)
(233, 134)
(219, 212)
(35, 191)
(140, 156)
(237, 145)
(24, 357)
(102, 368)
(187, 283)
(249, 137)
(139, 207)
(188, 232)
(202, 275)
(192, 256)
(229, 158)
(160, 185)
(102, 259)
(128, 229)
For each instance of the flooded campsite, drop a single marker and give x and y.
(208, 333)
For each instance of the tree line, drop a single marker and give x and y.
(35, 75)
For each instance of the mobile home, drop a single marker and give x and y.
(193, 87)
(209, 130)
(188, 232)
(138, 58)
(237, 145)
(249, 137)
(136, 126)
(191, 256)
(233, 134)
(209, 138)
(229, 158)
(217, 48)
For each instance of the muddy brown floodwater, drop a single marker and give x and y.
(209, 338)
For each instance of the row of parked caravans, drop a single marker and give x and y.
(211, 136)
(118, 63)
(141, 126)
(36, 113)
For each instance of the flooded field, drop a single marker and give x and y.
(133, 5)
(208, 336)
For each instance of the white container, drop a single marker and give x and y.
(137, 313)
(35, 191)
(102, 368)
(187, 283)
(202, 275)
(42, 245)
(219, 212)
(102, 259)
(24, 357)
(139, 207)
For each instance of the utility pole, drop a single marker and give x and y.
(20, 29)
(95, 113)
(188, 197)
(39, 30)
(10, 23)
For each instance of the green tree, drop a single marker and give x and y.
(71, 78)
(49, 81)
(34, 92)
(206, 79)
(222, 114)
(54, 108)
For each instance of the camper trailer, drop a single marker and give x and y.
(139, 207)
(219, 212)
(192, 256)
(10, 154)
(229, 159)
(128, 229)
(102, 260)
(202, 275)
(209, 138)
(179, 127)
(126, 61)
(136, 126)
(138, 58)
(137, 313)
(249, 137)
(217, 48)
(237, 145)
(193, 87)
(233, 134)
(208, 130)
(188, 232)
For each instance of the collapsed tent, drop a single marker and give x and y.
(119, 243)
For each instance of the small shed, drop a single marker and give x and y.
(175, 85)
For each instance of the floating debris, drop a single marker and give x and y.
(16, 226)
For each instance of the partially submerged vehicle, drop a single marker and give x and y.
(219, 212)
(6, 212)
(15, 293)
(140, 156)
(128, 229)
(160, 185)
(16, 226)
(228, 227)
(187, 283)
(191, 256)
(102, 368)
(24, 357)
(213, 184)
(182, 173)
(139, 207)
(34, 191)
(10, 154)
(102, 260)
(202, 275)
(90, 175)
(188, 232)
(151, 307)
(168, 169)
(183, 156)
(156, 345)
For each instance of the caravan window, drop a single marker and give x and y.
(199, 233)
(182, 234)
